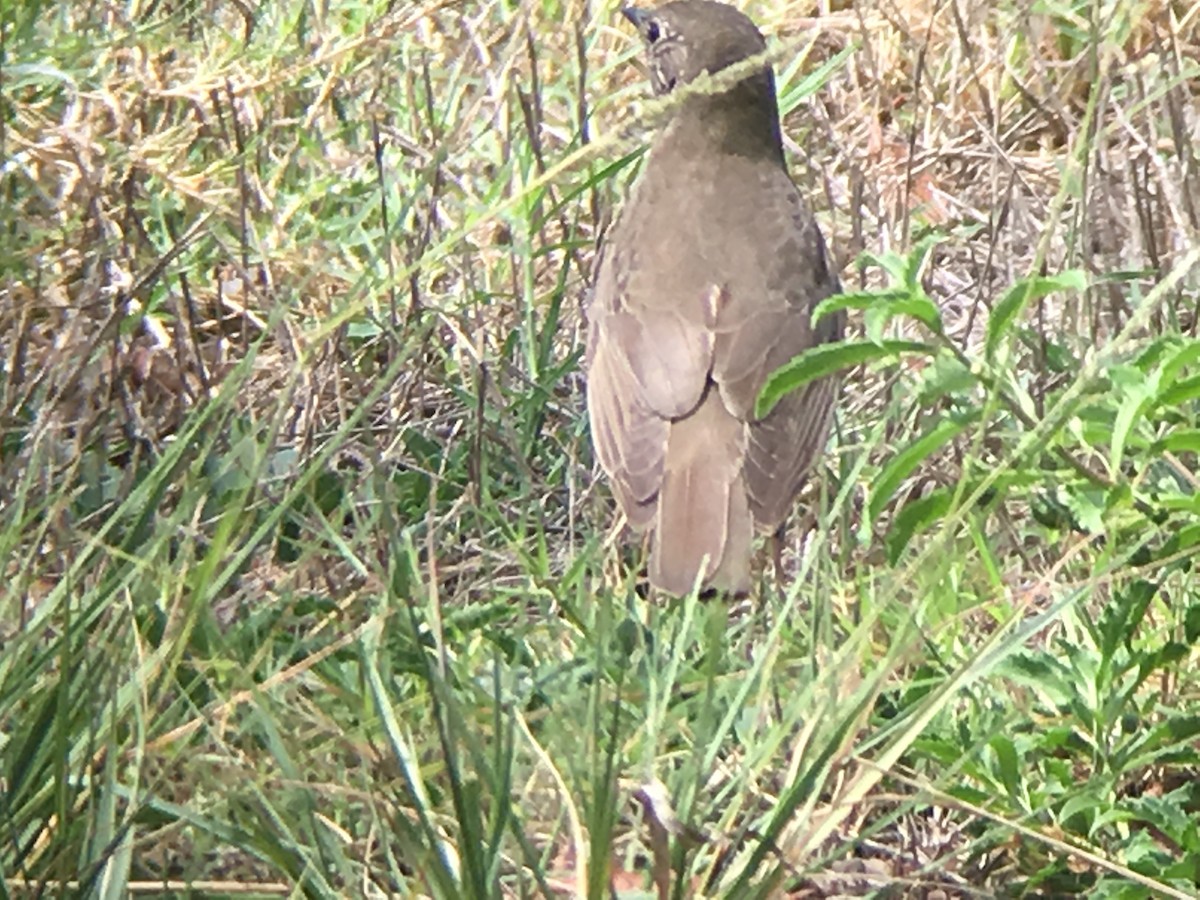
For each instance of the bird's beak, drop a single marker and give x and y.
(635, 15)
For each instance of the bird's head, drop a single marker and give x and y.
(685, 38)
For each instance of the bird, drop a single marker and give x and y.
(704, 284)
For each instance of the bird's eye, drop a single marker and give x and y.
(652, 32)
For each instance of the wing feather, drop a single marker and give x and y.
(761, 331)
(647, 365)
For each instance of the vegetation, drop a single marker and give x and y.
(310, 586)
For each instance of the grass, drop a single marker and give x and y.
(310, 584)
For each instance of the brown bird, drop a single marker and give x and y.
(706, 283)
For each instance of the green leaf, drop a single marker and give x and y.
(1186, 355)
(853, 300)
(826, 359)
(1179, 392)
(917, 258)
(1163, 347)
(915, 517)
(1007, 764)
(23, 74)
(1135, 398)
(1191, 623)
(1188, 504)
(1087, 505)
(919, 307)
(895, 265)
(1087, 803)
(1009, 309)
(947, 376)
(903, 463)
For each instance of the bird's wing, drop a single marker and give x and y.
(767, 322)
(647, 365)
(630, 439)
(782, 447)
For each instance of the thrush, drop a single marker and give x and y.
(705, 284)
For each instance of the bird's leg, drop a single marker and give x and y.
(644, 560)
(776, 542)
(777, 550)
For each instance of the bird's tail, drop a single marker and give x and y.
(703, 529)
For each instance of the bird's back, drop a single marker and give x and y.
(706, 285)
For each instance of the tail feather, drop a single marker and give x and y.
(703, 531)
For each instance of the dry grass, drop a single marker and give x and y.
(957, 117)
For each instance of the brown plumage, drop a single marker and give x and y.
(705, 285)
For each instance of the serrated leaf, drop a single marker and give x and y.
(1136, 398)
(901, 465)
(1186, 537)
(1186, 355)
(1191, 623)
(915, 517)
(917, 257)
(895, 265)
(826, 359)
(1084, 803)
(920, 308)
(946, 376)
(22, 74)
(875, 323)
(1007, 763)
(1045, 675)
(1009, 309)
(1087, 506)
(853, 300)
(1179, 392)
(1124, 376)
(1163, 347)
